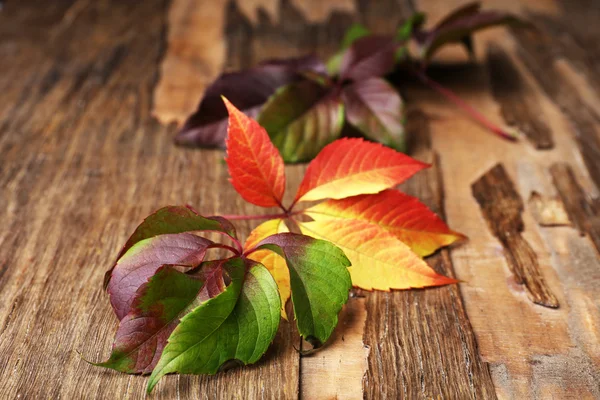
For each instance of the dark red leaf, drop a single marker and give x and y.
(247, 90)
(369, 56)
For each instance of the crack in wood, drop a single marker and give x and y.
(583, 211)
(518, 105)
(502, 207)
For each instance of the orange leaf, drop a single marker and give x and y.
(348, 167)
(272, 261)
(379, 260)
(255, 166)
(400, 214)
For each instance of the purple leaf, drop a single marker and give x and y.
(375, 108)
(142, 260)
(369, 56)
(247, 90)
(458, 26)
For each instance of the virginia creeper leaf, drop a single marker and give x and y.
(458, 27)
(238, 324)
(155, 312)
(255, 166)
(247, 90)
(271, 260)
(349, 167)
(376, 109)
(319, 279)
(400, 214)
(355, 32)
(142, 260)
(379, 260)
(301, 118)
(369, 56)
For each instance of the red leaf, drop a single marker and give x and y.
(349, 167)
(255, 166)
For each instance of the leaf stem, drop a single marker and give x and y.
(224, 246)
(473, 113)
(259, 217)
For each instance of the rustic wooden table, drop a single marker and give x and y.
(87, 89)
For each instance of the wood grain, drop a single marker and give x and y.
(421, 342)
(82, 161)
(583, 211)
(517, 105)
(502, 207)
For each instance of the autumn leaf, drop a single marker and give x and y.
(155, 313)
(319, 280)
(458, 27)
(236, 325)
(248, 90)
(402, 215)
(255, 166)
(349, 167)
(376, 109)
(379, 260)
(142, 261)
(368, 57)
(301, 118)
(274, 263)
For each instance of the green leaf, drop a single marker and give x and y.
(301, 119)
(319, 279)
(154, 314)
(355, 32)
(376, 109)
(238, 324)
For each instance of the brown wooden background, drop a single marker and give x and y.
(83, 158)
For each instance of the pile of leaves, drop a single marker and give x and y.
(304, 103)
(181, 310)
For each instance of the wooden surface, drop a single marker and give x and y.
(87, 92)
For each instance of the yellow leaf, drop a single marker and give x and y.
(272, 261)
(379, 260)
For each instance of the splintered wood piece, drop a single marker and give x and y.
(583, 211)
(548, 211)
(502, 207)
(421, 342)
(518, 105)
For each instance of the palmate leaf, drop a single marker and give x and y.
(376, 109)
(319, 280)
(301, 118)
(236, 325)
(368, 57)
(402, 215)
(248, 90)
(142, 261)
(355, 32)
(349, 167)
(271, 260)
(255, 166)
(379, 260)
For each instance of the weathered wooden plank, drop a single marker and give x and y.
(421, 342)
(583, 211)
(517, 105)
(83, 162)
(502, 207)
